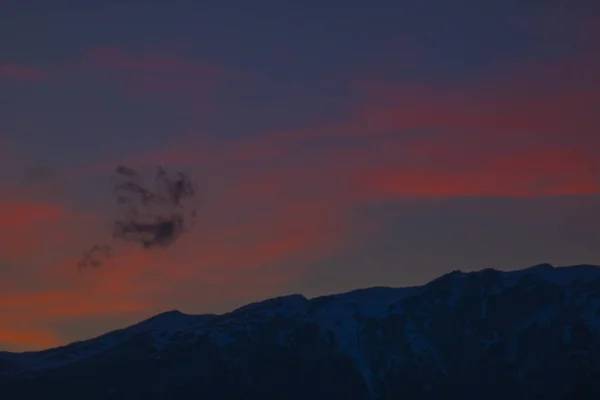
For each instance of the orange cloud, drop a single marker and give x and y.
(26, 339)
(60, 304)
(26, 215)
(534, 134)
(22, 226)
(531, 173)
(26, 314)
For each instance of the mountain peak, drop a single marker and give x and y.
(541, 267)
(290, 304)
(510, 328)
(171, 317)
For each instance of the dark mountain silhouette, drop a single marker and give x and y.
(527, 334)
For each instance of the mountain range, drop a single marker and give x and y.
(525, 334)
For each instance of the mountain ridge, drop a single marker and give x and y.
(496, 328)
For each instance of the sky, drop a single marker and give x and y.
(334, 145)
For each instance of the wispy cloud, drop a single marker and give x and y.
(27, 338)
(147, 73)
(22, 73)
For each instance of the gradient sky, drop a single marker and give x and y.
(336, 145)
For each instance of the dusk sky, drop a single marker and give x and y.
(334, 144)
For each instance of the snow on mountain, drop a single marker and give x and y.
(488, 326)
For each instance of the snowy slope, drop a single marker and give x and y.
(500, 330)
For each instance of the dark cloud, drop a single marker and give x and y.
(151, 218)
(162, 231)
